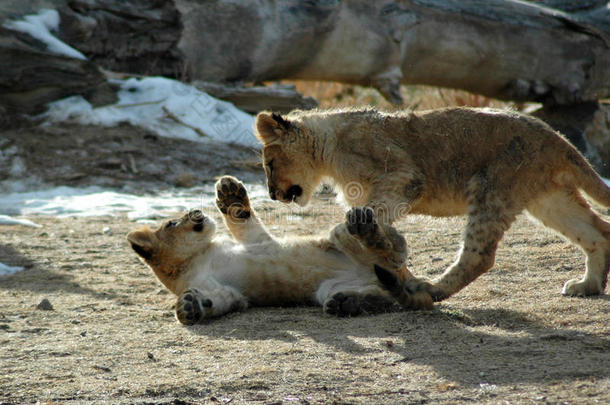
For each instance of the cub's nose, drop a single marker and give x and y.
(294, 192)
(196, 216)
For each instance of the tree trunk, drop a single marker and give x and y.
(506, 49)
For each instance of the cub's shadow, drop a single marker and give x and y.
(493, 346)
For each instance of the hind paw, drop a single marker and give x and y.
(361, 223)
(345, 304)
(192, 307)
(581, 288)
(384, 240)
(232, 198)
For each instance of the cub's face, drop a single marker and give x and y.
(291, 174)
(176, 239)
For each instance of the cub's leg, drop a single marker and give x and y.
(569, 214)
(484, 230)
(233, 202)
(210, 300)
(489, 217)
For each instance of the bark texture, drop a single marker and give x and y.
(552, 51)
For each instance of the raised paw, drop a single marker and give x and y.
(192, 308)
(384, 240)
(352, 304)
(232, 198)
(361, 223)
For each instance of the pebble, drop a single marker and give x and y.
(45, 305)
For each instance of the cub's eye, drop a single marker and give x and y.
(171, 224)
(269, 165)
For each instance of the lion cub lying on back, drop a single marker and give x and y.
(213, 276)
(488, 164)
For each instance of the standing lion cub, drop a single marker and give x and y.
(213, 276)
(488, 164)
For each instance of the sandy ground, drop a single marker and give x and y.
(111, 337)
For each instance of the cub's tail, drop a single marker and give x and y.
(587, 179)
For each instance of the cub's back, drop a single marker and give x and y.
(456, 143)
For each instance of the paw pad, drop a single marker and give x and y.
(361, 221)
(232, 198)
(190, 309)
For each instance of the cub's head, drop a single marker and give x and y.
(288, 157)
(168, 249)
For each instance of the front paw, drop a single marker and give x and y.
(418, 294)
(192, 307)
(232, 198)
(414, 293)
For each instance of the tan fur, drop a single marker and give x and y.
(212, 276)
(488, 164)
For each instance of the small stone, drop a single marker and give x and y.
(45, 305)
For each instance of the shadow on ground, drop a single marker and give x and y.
(492, 346)
(40, 278)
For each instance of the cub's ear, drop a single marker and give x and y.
(143, 242)
(270, 127)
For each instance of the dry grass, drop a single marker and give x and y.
(510, 337)
(334, 95)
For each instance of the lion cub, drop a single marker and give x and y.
(488, 164)
(213, 276)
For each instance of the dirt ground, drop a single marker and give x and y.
(111, 337)
(122, 157)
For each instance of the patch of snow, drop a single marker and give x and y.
(6, 220)
(39, 26)
(165, 107)
(607, 181)
(93, 201)
(6, 270)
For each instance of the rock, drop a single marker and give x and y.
(45, 305)
(597, 137)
